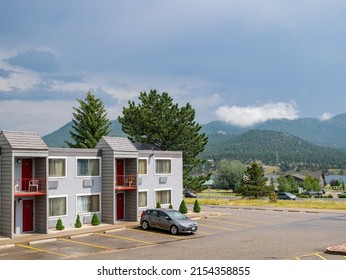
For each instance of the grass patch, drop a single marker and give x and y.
(308, 203)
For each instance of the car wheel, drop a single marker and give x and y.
(145, 225)
(174, 230)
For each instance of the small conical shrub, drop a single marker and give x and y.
(158, 205)
(59, 225)
(196, 207)
(78, 223)
(95, 220)
(183, 208)
(170, 206)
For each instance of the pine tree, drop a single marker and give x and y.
(78, 223)
(183, 208)
(59, 225)
(159, 122)
(90, 123)
(196, 207)
(95, 220)
(253, 183)
(158, 205)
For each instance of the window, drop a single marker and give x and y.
(163, 166)
(142, 199)
(88, 203)
(164, 197)
(142, 166)
(57, 167)
(88, 167)
(57, 206)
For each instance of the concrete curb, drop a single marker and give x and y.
(336, 250)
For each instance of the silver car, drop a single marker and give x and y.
(167, 219)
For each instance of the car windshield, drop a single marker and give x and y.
(177, 215)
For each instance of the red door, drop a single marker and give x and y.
(120, 173)
(26, 173)
(28, 215)
(120, 206)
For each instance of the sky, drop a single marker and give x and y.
(239, 61)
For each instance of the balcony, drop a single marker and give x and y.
(125, 182)
(30, 186)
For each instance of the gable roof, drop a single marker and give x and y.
(24, 140)
(120, 144)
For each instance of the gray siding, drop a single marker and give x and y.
(41, 225)
(6, 189)
(131, 206)
(41, 216)
(108, 175)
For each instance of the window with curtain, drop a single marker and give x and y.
(142, 199)
(88, 203)
(57, 167)
(57, 206)
(88, 167)
(142, 166)
(163, 166)
(164, 197)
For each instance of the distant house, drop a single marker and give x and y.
(301, 175)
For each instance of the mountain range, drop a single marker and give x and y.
(327, 133)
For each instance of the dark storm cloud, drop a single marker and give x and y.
(36, 60)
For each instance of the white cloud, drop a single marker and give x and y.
(251, 115)
(38, 116)
(326, 116)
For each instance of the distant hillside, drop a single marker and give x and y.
(272, 148)
(57, 138)
(331, 133)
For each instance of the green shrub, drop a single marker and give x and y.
(273, 197)
(170, 206)
(95, 220)
(304, 196)
(196, 207)
(78, 223)
(59, 225)
(158, 205)
(342, 196)
(183, 208)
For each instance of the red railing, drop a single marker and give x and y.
(126, 181)
(30, 185)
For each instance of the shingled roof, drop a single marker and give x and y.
(24, 140)
(121, 144)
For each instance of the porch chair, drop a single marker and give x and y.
(33, 185)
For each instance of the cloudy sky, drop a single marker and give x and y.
(241, 61)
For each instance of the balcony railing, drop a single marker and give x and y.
(125, 182)
(30, 186)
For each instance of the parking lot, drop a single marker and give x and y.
(254, 234)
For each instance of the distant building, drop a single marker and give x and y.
(301, 175)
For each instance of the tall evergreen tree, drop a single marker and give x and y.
(159, 122)
(90, 123)
(253, 183)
